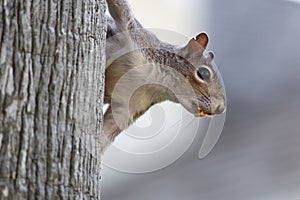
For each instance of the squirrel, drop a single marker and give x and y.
(142, 71)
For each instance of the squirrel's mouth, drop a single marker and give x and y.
(201, 112)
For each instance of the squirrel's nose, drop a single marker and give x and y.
(219, 109)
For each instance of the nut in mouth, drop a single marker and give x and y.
(201, 113)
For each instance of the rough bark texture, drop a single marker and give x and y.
(51, 91)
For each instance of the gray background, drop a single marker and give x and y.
(257, 48)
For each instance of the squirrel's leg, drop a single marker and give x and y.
(121, 13)
(110, 130)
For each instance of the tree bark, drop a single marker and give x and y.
(52, 62)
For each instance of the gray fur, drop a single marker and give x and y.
(142, 71)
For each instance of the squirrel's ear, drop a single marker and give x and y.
(195, 46)
(209, 56)
(202, 40)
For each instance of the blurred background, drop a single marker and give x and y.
(257, 49)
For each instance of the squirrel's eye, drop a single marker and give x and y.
(203, 73)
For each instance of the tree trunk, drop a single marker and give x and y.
(51, 90)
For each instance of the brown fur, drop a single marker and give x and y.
(142, 71)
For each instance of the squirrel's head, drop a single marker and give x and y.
(203, 77)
